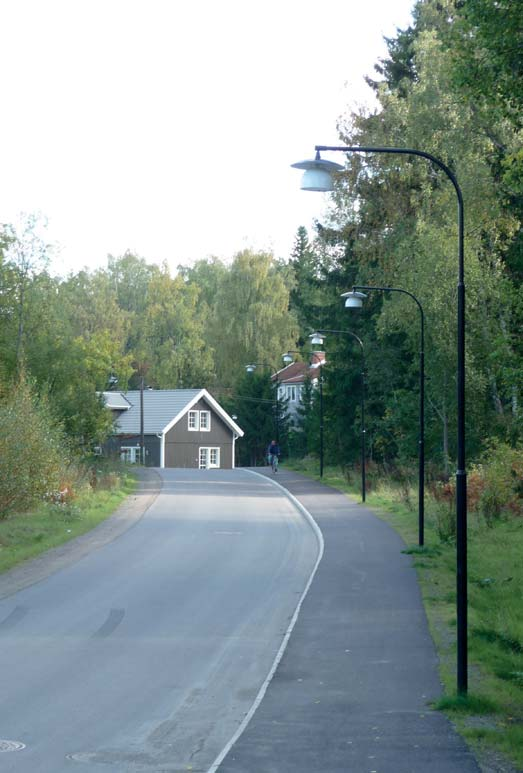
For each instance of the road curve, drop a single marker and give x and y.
(147, 653)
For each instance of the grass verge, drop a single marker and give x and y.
(490, 717)
(27, 535)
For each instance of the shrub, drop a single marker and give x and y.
(501, 476)
(34, 458)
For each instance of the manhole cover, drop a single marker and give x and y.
(11, 746)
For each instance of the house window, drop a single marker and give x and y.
(209, 457)
(291, 393)
(130, 454)
(199, 421)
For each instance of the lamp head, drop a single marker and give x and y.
(250, 368)
(317, 339)
(317, 175)
(353, 299)
(287, 358)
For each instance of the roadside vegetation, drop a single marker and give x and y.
(27, 534)
(49, 491)
(491, 715)
(451, 84)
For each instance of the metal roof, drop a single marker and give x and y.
(162, 408)
(116, 401)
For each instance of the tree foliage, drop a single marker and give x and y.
(451, 85)
(33, 450)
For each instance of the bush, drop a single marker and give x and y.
(34, 459)
(499, 481)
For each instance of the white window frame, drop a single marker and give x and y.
(292, 392)
(196, 421)
(206, 428)
(130, 454)
(205, 456)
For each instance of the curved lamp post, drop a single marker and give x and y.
(318, 177)
(353, 299)
(318, 338)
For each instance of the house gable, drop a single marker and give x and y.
(213, 404)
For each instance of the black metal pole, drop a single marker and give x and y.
(277, 406)
(362, 404)
(363, 431)
(142, 437)
(461, 475)
(421, 429)
(321, 424)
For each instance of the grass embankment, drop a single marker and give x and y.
(27, 535)
(491, 715)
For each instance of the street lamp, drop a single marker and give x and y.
(353, 299)
(318, 177)
(317, 338)
(288, 358)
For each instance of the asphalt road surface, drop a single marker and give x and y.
(146, 653)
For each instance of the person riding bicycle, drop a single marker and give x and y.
(273, 453)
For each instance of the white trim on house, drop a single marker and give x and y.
(162, 450)
(214, 405)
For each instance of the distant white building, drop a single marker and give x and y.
(291, 381)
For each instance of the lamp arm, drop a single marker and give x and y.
(345, 332)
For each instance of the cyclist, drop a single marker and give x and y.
(273, 453)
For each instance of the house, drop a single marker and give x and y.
(181, 428)
(291, 380)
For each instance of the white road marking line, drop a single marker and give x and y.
(263, 689)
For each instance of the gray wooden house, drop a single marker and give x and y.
(181, 428)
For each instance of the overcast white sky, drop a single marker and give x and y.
(167, 127)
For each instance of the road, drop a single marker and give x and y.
(146, 654)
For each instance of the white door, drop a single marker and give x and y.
(209, 457)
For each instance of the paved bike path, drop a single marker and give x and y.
(351, 692)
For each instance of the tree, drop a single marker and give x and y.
(33, 450)
(250, 321)
(254, 404)
(172, 338)
(25, 254)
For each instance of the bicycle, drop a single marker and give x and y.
(274, 462)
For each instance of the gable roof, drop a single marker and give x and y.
(162, 409)
(298, 372)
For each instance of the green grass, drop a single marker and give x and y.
(495, 608)
(27, 535)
